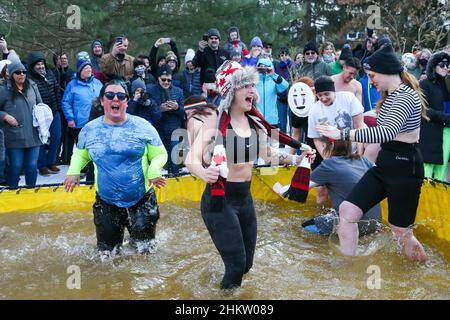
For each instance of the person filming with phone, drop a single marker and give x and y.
(270, 84)
(209, 55)
(118, 63)
(170, 101)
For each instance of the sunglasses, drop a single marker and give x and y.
(310, 53)
(213, 38)
(120, 95)
(20, 72)
(166, 80)
(443, 65)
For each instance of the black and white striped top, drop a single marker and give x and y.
(401, 112)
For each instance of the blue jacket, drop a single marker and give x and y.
(370, 94)
(169, 120)
(250, 61)
(78, 98)
(268, 88)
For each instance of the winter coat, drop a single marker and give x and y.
(235, 45)
(315, 69)
(209, 59)
(48, 84)
(169, 120)
(436, 93)
(268, 87)
(148, 110)
(153, 56)
(21, 108)
(112, 67)
(78, 99)
(191, 83)
(284, 69)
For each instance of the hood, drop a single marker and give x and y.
(432, 63)
(35, 57)
(231, 29)
(265, 62)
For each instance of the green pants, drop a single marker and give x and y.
(440, 171)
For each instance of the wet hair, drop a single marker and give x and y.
(339, 148)
(118, 82)
(353, 62)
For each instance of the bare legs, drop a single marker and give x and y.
(348, 234)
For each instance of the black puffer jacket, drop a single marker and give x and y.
(436, 93)
(48, 85)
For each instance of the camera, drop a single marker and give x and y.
(205, 37)
(144, 99)
(263, 70)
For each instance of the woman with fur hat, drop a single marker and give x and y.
(227, 205)
(398, 174)
(435, 134)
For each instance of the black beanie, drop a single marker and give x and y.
(310, 46)
(324, 83)
(165, 70)
(346, 53)
(384, 61)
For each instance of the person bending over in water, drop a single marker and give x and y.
(399, 173)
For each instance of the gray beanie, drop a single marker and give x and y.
(16, 66)
(137, 84)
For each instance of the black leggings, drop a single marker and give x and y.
(140, 220)
(398, 175)
(233, 230)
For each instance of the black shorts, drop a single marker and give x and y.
(398, 175)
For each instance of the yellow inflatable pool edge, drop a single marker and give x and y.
(433, 211)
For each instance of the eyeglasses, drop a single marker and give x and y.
(443, 65)
(120, 95)
(20, 72)
(310, 53)
(166, 80)
(213, 38)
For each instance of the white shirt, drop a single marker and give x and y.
(339, 114)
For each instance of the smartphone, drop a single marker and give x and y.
(119, 40)
(2, 36)
(205, 37)
(166, 40)
(323, 121)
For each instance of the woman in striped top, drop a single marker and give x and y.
(398, 173)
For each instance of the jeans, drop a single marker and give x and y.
(2, 156)
(22, 157)
(49, 158)
(282, 115)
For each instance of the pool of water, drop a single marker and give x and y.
(41, 253)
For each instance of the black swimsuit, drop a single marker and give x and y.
(240, 149)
